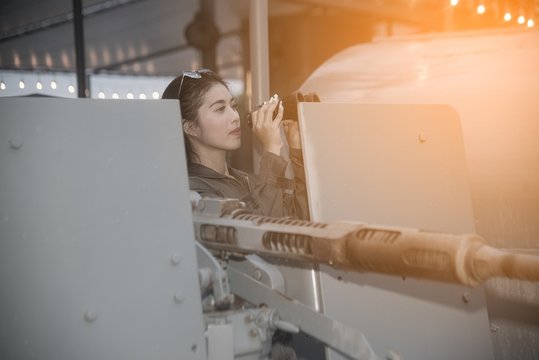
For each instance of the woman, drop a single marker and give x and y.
(211, 127)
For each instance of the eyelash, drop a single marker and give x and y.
(233, 106)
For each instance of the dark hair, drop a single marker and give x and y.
(191, 96)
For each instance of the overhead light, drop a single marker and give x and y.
(53, 85)
(130, 95)
(101, 95)
(481, 9)
(454, 2)
(71, 89)
(39, 85)
(115, 96)
(3, 85)
(142, 96)
(21, 84)
(521, 20)
(155, 95)
(530, 23)
(507, 16)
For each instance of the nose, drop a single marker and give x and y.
(235, 115)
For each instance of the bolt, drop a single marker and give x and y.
(258, 274)
(466, 297)
(90, 316)
(15, 142)
(176, 259)
(178, 297)
(392, 355)
(250, 318)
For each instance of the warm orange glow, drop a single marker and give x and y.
(521, 20)
(454, 2)
(507, 16)
(531, 23)
(481, 9)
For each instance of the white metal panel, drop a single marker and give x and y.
(97, 257)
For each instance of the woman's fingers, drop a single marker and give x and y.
(266, 111)
(279, 117)
(291, 131)
(266, 128)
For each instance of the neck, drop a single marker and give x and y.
(214, 159)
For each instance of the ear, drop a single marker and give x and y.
(190, 128)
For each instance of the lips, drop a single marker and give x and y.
(236, 131)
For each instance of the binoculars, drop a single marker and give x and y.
(290, 104)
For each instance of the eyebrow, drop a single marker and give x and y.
(221, 101)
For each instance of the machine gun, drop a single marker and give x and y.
(463, 259)
(226, 228)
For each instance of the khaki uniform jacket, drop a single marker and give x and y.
(268, 193)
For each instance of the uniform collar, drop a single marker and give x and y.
(204, 171)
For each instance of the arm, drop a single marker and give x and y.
(278, 195)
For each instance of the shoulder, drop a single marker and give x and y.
(204, 186)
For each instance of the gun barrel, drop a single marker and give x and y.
(464, 259)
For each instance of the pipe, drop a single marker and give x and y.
(258, 40)
(79, 48)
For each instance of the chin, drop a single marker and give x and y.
(234, 146)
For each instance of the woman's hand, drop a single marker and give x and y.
(266, 128)
(291, 130)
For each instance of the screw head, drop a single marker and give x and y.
(178, 297)
(392, 355)
(90, 316)
(15, 142)
(258, 274)
(176, 259)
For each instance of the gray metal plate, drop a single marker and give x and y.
(94, 204)
(397, 165)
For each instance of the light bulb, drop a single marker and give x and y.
(454, 2)
(130, 95)
(155, 95)
(101, 95)
(507, 16)
(481, 9)
(3, 85)
(53, 85)
(39, 85)
(530, 23)
(71, 89)
(115, 96)
(142, 96)
(21, 84)
(521, 20)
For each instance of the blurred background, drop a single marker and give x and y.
(132, 48)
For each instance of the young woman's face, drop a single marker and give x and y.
(219, 120)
